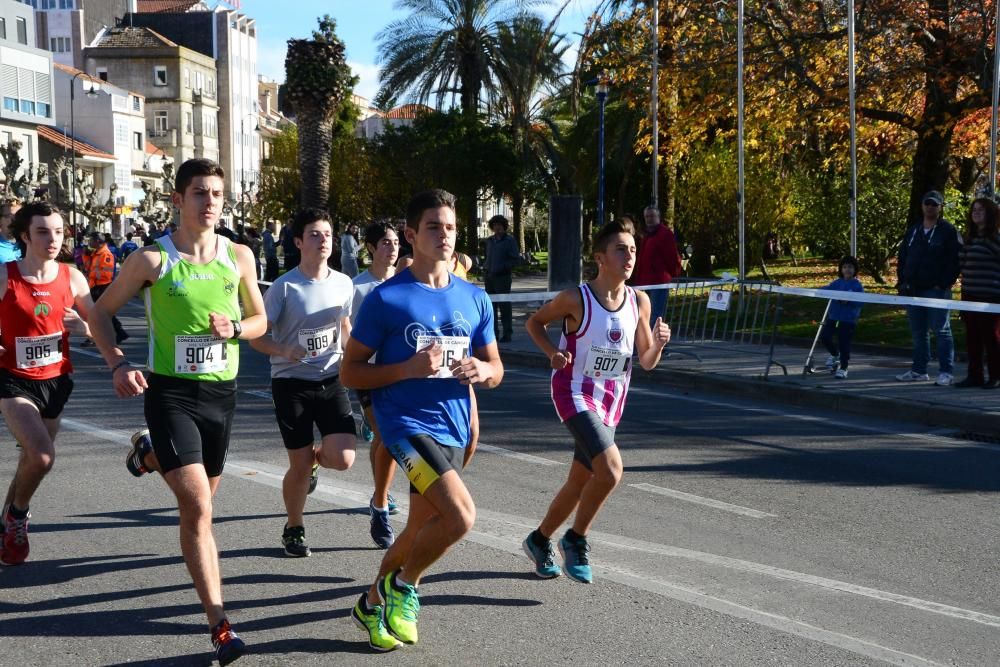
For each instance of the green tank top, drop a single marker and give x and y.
(177, 309)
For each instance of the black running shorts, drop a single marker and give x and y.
(364, 398)
(424, 460)
(298, 404)
(49, 396)
(189, 421)
(592, 437)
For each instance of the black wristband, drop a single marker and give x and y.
(123, 362)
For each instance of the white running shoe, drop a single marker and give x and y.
(944, 379)
(832, 362)
(910, 376)
(841, 374)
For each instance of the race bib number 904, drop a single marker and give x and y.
(38, 351)
(318, 342)
(199, 354)
(605, 363)
(454, 349)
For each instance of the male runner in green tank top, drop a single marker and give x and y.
(193, 282)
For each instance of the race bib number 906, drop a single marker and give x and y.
(38, 351)
(199, 354)
(454, 348)
(605, 363)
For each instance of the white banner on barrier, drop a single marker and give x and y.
(718, 299)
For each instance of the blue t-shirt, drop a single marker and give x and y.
(390, 321)
(9, 252)
(845, 311)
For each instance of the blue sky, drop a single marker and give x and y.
(358, 21)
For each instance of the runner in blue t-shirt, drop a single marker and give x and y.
(432, 334)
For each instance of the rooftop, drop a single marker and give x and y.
(65, 141)
(166, 6)
(132, 38)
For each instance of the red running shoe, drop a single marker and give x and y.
(15, 539)
(228, 645)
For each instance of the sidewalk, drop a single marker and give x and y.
(871, 389)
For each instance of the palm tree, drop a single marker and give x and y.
(442, 48)
(317, 79)
(529, 65)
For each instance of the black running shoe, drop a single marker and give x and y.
(228, 645)
(294, 539)
(313, 478)
(141, 445)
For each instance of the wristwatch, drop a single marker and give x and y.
(237, 329)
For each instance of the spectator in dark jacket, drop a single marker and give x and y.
(980, 262)
(502, 255)
(658, 261)
(928, 267)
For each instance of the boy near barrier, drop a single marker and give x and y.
(842, 318)
(194, 282)
(382, 244)
(602, 321)
(308, 315)
(432, 335)
(37, 295)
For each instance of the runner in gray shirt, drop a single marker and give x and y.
(308, 316)
(382, 244)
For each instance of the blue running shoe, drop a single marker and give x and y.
(576, 559)
(381, 529)
(366, 430)
(228, 645)
(543, 558)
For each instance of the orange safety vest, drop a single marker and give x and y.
(100, 266)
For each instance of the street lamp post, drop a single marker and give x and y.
(91, 91)
(602, 96)
(244, 193)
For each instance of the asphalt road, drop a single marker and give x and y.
(744, 533)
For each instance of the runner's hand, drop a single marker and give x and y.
(470, 370)
(129, 382)
(294, 352)
(561, 359)
(73, 322)
(426, 362)
(661, 332)
(220, 326)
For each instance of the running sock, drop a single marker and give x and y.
(573, 536)
(538, 539)
(381, 509)
(16, 513)
(398, 582)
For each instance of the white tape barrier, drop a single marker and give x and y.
(538, 297)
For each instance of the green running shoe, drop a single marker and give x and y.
(399, 608)
(370, 621)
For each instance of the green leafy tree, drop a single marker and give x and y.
(443, 48)
(280, 180)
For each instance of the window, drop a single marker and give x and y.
(189, 122)
(137, 141)
(136, 103)
(42, 109)
(3, 28)
(187, 77)
(22, 30)
(121, 133)
(10, 104)
(65, 4)
(199, 81)
(160, 123)
(159, 75)
(102, 73)
(209, 128)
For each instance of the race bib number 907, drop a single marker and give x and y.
(605, 363)
(454, 349)
(199, 354)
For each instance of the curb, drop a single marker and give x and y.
(973, 421)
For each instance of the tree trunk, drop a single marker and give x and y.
(517, 206)
(315, 148)
(930, 159)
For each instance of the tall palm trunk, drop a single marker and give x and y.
(315, 147)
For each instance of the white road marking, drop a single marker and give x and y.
(259, 393)
(701, 500)
(507, 534)
(528, 458)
